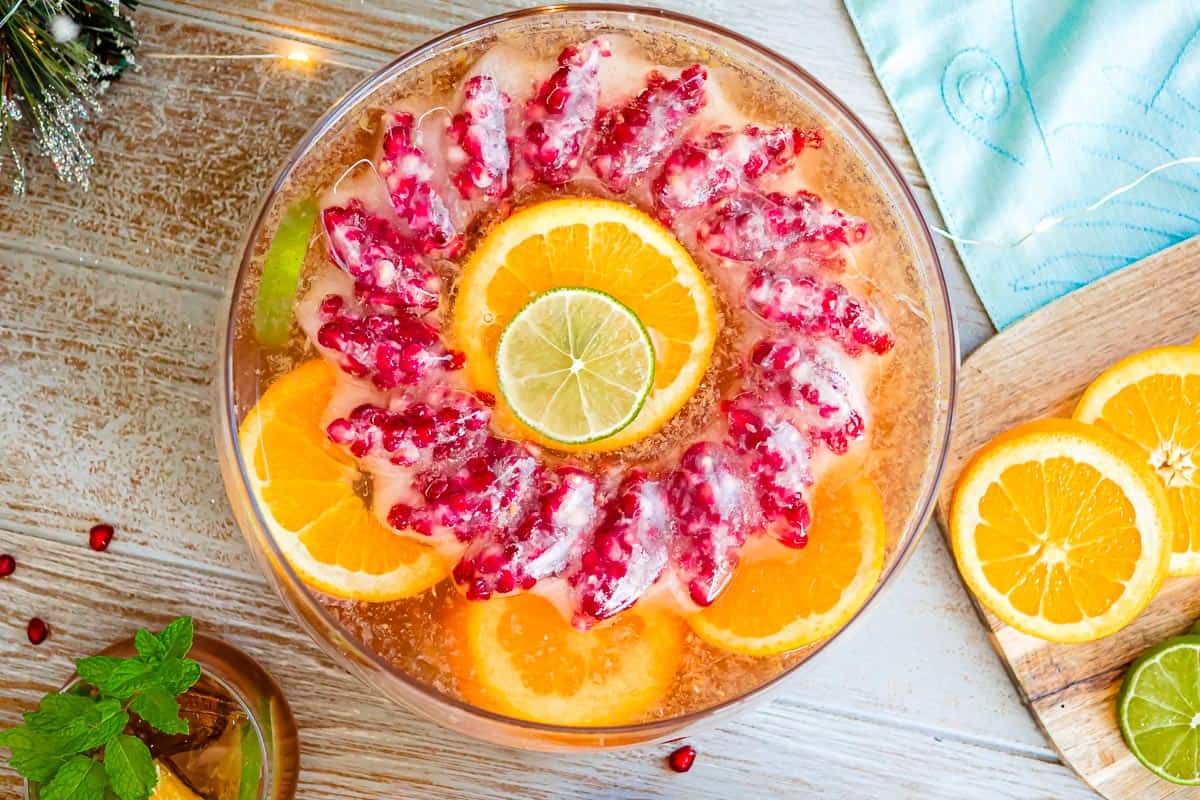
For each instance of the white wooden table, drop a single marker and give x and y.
(108, 304)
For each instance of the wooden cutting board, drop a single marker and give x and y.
(1038, 368)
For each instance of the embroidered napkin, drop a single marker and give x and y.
(1020, 109)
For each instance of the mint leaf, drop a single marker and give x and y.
(78, 723)
(81, 778)
(158, 708)
(176, 675)
(114, 677)
(130, 768)
(176, 638)
(36, 756)
(148, 646)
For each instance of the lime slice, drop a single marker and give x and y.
(281, 274)
(575, 365)
(1159, 709)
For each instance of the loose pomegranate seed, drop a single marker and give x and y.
(812, 379)
(811, 305)
(681, 760)
(630, 138)
(479, 141)
(391, 350)
(627, 553)
(562, 112)
(8, 565)
(387, 268)
(716, 510)
(447, 425)
(750, 226)
(409, 178)
(506, 560)
(37, 630)
(779, 457)
(491, 490)
(701, 171)
(100, 536)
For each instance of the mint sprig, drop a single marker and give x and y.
(75, 746)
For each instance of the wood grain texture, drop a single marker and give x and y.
(354, 746)
(1038, 368)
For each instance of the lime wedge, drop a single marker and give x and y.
(575, 365)
(1159, 709)
(281, 274)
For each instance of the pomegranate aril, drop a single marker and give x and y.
(100, 536)
(631, 138)
(392, 350)
(715, 510)
(37, 630)
(813, 306)
(446, 425)
(479, 149)
(778, 456)
(813, 380)
(408, 174)
(559, 116)
(505, 560)
(8, 565)
(750, 226)
(701, 171)
(627, 552)
(681, 760)
(491, 490)
(387, 268)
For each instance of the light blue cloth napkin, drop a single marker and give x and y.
(1020, 109)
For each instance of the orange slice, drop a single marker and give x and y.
(305, 487)
(1061, 529)
(169, 786)
(592, 244)
(521, 658)
(1153, 400)
(796, 597)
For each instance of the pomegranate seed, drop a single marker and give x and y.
(8, 565)
(810, 305)
(681, 760)
(100, 536)
(409, 178)
(749, 226)
(479, 141)
(37, 630)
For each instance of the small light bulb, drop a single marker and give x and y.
(298, 56)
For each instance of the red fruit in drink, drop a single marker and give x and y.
(715, 510)
(447, 425)
(100, 536)
(814, 381)
(8, 565)
(408, 174)
(750, 226)
(701, 171)
(816, 307)
(778, 456)
(388, 269)
(505, 560)
(479, 141)
(37, 630)
(627, 552)
(631, 138)
(560, 115)
(392, 350)
(681, 760)
(491, 490)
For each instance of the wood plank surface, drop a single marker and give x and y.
(355, 746)
(105, 345)
(1037, 368)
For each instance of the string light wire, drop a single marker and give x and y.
(1054, 220)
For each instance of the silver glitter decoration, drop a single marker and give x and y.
(58, 121)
